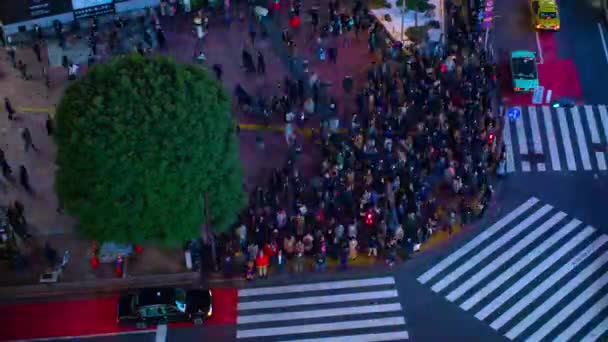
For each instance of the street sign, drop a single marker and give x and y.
(513, 113)
(537, 97)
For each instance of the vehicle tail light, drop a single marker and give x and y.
(518, 89)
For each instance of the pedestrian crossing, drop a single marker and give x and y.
(534, 275)
(362, 310)
(544, 139)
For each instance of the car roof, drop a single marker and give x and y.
(156, 296)
(522, 53)
(547, 4)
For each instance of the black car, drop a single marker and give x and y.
(149, 306)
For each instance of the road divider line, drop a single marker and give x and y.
(540, 49)
(601, 28)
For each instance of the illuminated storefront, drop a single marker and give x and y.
(22, 15)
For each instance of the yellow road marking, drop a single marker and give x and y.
(37, 110)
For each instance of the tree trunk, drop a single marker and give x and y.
(207, 234)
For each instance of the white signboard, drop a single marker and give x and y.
(537, 97)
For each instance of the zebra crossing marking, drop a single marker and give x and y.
(351, 297)
(530, 276)
(553, 151)
(575, 304)
(597, 332)
(555, 134)
(504, 257)
(286, 316)
(523, 143)
(369, 314)
(479, 239)
(529, 305)
(595, 137)
(506, 136)
(580, 138)
(536, 137)
(320, 327)
(585, 318)
(523, 262)
(330, 285)
(558, 296)
(388, 336)
(510, 235)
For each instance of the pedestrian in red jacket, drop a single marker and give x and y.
(261, 262)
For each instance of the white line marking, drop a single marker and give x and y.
(540, 49)
(324, 286)
(161, 333)
(563, 125)
(287, 316)
(506, 138)
(536, 136)
(566, 311)
(479, 257)
(604, 120)
(522, 140)
(531, 275)
(549, 93)
(60, 338)
(585, 318)
(486, 234)
(601, 28)
(547, 283)
(504, 257)
(351, 297)
(322, 327)
(581, 138)
(388, 336)
(519, 265)
(595, 137)
(596, 333)
(553, 151)
(558, 296)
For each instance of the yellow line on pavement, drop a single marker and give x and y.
(48, 110)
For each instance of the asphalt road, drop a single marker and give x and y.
(580, 40)
(573, 61)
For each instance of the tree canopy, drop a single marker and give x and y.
(141, 143)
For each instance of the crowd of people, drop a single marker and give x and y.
(424, 127)
(421, 135)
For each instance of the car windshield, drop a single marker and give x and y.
(524, 67)
(548, 15)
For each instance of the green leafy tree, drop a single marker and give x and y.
(141, 144)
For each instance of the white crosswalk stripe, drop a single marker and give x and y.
(538, 275)
(365, 309)
(547, 139)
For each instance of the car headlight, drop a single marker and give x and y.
(210, 312)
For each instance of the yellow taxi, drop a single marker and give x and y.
(545, 15)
